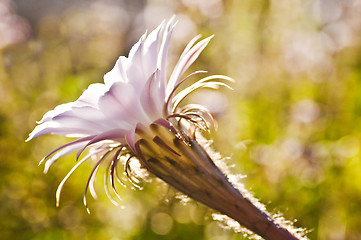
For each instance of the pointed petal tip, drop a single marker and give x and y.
(31, 136)
(192, 42)
(224, 77)
(172, 18)
(172, 21)
(41, 161)
(208, 39)
(86, 205)
(47, 166)
(57, 202)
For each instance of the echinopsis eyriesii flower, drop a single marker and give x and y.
(136, 114)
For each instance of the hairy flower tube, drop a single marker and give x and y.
(136, 114)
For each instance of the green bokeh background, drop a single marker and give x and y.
(292, 124)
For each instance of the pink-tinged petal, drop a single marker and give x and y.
(146, 99)
(118, 73)
(89, 115)
(150, 100)
(122, 103)
(185, 61)
(150, 51)
(57, 128)
(135, 72)
(56, 111)
(116, 135)
(91, 95)
(79, 121)
(135, 52)
(113, 107)
(70, 120)
(163, 53)
(166, 124)
(130, 139)
(136, 77)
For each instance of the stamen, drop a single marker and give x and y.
(190, 119)
(202, 111)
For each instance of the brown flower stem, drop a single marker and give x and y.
(248, 215)
(190, 169)
(244, 211)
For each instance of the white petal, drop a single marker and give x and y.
(54, 127)
(150, 51)
(89, 113)
(144, 58)
(135, 72)
(118, 73)
(130, 139)
(163, 53)
(122, 103)
(56, 111)
(91, 116)
(135, 52)
(136, 76)
(91, 95)
(150, 97)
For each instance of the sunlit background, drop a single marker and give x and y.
(292, 124)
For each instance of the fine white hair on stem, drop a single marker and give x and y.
(235, 179)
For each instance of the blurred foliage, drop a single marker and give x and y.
(292, 123)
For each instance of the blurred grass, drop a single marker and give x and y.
(296, 105)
